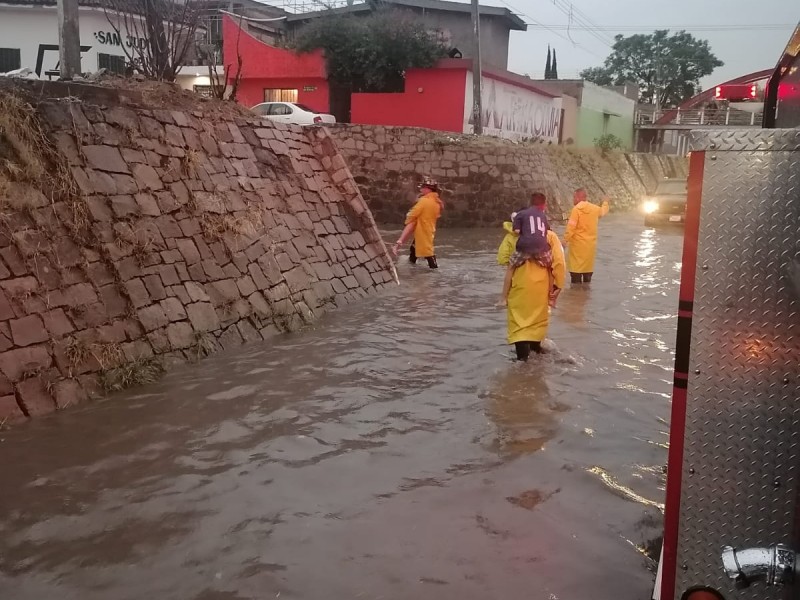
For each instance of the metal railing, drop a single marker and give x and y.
(701, 116)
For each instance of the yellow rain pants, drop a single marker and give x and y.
(581, 236)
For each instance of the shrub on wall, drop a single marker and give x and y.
(607, 142)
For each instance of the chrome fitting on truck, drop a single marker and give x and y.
(775, 565)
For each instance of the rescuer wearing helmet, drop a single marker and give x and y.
(421, 221)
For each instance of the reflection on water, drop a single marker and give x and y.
(521, 408)
(392, 451)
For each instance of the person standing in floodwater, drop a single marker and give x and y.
(581, 236)
(421, 221)
(529, 300)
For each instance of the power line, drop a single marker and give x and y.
(575, 14)
(549, 28)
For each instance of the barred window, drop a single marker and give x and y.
(10, 59)
(111, 63)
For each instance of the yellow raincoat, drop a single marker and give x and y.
(528, 310)
(424, 215)
(581, 236)
(508, 245)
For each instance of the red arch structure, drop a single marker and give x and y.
(707, 95)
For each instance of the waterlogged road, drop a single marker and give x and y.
(392, 452)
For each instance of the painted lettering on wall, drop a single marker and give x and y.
(514, 112)
(112, 38)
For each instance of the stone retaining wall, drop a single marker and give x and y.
(164, 235)
(484, 179)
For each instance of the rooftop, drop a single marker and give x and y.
(513, 21)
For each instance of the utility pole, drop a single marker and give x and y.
(477, 109)
(69, 39)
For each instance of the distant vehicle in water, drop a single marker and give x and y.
(667, 204)
(291, 112)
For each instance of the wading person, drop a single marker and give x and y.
(421, 222)
(531, 227)
(581, 236)
(530, 297)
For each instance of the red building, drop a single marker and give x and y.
(438, 98)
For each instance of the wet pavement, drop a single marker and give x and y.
(393, 452)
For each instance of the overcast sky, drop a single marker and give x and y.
(738, 31)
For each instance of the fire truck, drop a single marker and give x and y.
(732, 516)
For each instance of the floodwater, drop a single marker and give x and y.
(392, 452)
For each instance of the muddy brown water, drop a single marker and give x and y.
(393, 451)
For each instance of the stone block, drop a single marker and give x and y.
(57, 323)
(155, 287)
(137, 293)
(34, 397)
(114, 302)
(105, 158)
(15, 363)
(152, 317)
(196, 292)
(213, 270)
(148, 205)
(196, 273)
(189, 251)
(259, 305)
(246, 285)
(128, 268)
(203, 316)
(13, 259)
(124, 206)
(168, 227)
(190, 227)
(80, 294)
(68, 392)
(173, 309)
(99, 273)
(6, 311)
(147, 178)
(181, 335)
(169, 275)
(10, 411)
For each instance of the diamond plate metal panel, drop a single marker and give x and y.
(741, 468)
(745, 140)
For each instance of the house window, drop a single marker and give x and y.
(9, 59)
(203, 90)
(279, 95)
(111, 63)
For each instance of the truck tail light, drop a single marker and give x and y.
(718, 92)
(317, 119)
(753, 90)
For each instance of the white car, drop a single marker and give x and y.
(291, 112)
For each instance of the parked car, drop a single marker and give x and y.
(667, 204)
(291, 112)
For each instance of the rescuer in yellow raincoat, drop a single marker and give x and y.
(421, 221)
(509, 243)
(528, 302)
(581, 236)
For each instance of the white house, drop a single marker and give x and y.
(29, 38)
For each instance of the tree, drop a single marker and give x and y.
(554, 69)
(155, 35)
(548, 65)
(371, 53)
(668, 68)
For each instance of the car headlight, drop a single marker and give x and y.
(650, 206)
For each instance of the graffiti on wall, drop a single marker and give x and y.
(514, 112)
